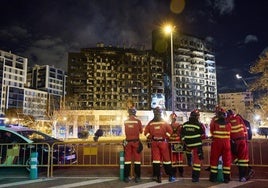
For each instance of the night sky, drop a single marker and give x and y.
(45, 31)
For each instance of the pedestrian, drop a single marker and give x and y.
(176, 147)
(191, 135)
(159, 131)
(98, 134)
(220, 130)
(238, 143)
(132, 145)
(250, 172)
(240, 153)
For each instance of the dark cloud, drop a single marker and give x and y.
(250, 38)
(45, 31)
(224, 6)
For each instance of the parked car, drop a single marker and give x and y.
(62, 153)
(263, 130)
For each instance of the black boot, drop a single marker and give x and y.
(195, 176)
(127, 172)
(242, 173)
(174, 171)
(157, 172)
(169, 172)
(137, 170)
(250, 173)
(189, 158)
(181, 170)
(226, 178)
(213, 177)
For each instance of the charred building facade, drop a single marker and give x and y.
(110, 78)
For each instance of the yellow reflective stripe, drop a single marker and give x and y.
(215, 167)
(137, 162)
(237, 130)
(156, 161)
(243, 160)
(131, 121)
(226, 168)
(166, 162)
(221, 132)
(193, 136)
(195, 144)
(239, 164)
(226, 172)
(218, 136)
(214, 171)
(196, 169)
(189, 125)
(127, 162)
(158, 123)
(237, 126)
(168, 134)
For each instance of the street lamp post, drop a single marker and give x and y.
(169, 29)
(244, 81)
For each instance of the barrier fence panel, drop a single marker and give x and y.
(89, 154)
(19, 155)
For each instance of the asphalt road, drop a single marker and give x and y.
(100, 177)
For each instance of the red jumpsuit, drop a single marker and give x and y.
(176, 148)
(220, 131)
(239, 141)
(175, 140)
(133, 128)
(159, 133)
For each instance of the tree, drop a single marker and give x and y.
(260, 69)
(260, 85)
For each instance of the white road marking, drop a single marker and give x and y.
(231, 184)
(151, 184)
(100, 180)
(24, 182)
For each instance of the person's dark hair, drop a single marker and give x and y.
(132, 111)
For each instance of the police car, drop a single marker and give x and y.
(20, 138)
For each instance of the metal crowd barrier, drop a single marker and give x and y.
(90, 154)
(19, 155)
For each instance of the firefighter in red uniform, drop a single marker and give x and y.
(239, 145)
(220, 130)
(191, 135)
(133, 129)
(159, 131)
(176, 145)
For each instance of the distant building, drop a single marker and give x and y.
(194, 71)
(51, 80)
(109, 78)
(68, 123)
(13, 71)
(240, 102)
(35, 92)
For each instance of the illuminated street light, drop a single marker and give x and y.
(240, 77)
(169, 29)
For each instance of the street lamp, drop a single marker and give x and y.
(240, 77)
(169, 29)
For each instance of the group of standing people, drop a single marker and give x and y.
(171, 142)
(230, 136)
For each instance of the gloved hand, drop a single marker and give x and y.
(148, 142)
(140, 148)
(200, 153)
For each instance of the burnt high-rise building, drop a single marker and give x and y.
(107, 78)
(194, 71)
